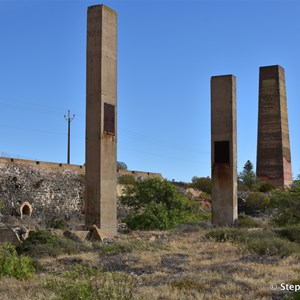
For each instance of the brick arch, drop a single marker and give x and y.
(25, 209)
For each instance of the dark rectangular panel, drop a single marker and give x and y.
(222, 155)
(109, 118)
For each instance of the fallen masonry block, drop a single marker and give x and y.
(99, 234)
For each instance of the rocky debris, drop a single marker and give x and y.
(242, 206)
(98, 234)
(22, 232)
(123, 228)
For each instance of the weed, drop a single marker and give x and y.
(257, 201)
(260, 242)
(248, 222)
(126, 179)
(186, 284)
(57, 224)
(286, 208)
(43, 243)
(84, 282)
(12, 265)
(292, 233)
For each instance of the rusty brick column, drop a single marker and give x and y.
(101, 124)
(273, 143)
(223, 150)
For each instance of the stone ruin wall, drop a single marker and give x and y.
(53, 190)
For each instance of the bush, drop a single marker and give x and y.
(285, 208)
(248, 222)
(292, 233)
(12, 265)
(57, 224)
(257, 201)
(91, 284)
(126, 179)
(296, 295)
(114, 248)
(201, 183)
(156, 204)
(265, 187)
(259, 242)
(43, 243)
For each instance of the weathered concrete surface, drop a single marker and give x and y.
(273, 142)
(101, 116)
(223, 150)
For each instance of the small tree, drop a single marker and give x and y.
(126, 179)
(201, 183)
(157, 204)
(247, 176)
(121, 165)
(286, 207)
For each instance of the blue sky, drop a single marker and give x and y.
(167, 52)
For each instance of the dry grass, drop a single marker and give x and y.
(174, 266)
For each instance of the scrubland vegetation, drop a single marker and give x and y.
(170, 251)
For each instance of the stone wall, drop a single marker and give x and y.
(53, 190)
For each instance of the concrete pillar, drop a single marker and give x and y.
(273, 143)
(101, 119)
(223, 150)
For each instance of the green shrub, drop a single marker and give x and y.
(292, 233)
(187, 284)
(248, 222)
(57, 224)
(43, 243)
(296, 295)
(114, 248)
(223, 234)
(257, 201)
(91, 284)
(272, 246)
(260, 242)
(201, 183)
(156, 204)
(265, 187)
(126, 179)
(285, 208)
(295, 187)
(12, 265)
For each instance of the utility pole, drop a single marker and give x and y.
(69, 120)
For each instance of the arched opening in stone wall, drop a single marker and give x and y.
(26, 209)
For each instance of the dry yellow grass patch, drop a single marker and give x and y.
(174, 266)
